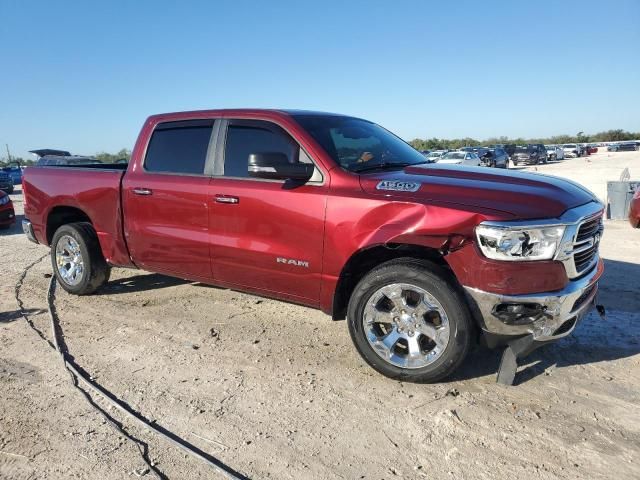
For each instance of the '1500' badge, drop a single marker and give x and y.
(397, 186)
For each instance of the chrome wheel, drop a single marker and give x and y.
(406, 326)
(69, 261)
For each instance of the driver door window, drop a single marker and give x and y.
(247, 137)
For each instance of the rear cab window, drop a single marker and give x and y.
(179, 147)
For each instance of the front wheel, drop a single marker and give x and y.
(77, 259)
(409, 322)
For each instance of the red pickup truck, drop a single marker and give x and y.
(335, 213)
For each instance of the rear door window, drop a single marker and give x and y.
(179, 147)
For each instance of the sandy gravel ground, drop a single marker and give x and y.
(277, 391)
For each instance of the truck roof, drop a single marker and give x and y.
(245, 111)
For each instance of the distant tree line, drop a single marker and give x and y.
(452, 144)
(113, 157)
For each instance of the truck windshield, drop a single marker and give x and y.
(358, 145)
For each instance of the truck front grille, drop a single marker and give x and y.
(586, 244)
(588, 229)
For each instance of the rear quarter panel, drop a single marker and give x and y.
(95, 192)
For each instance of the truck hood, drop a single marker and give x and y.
(520, 195)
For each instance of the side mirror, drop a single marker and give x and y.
(276, 166)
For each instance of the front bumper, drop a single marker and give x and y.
(559, 312)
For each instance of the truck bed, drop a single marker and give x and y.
(89, 190)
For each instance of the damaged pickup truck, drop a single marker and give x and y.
(336, 213)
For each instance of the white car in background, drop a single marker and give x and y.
(468, 159)
(435, 155)
(571, 150)
(554, 152)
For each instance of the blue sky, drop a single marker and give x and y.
(84, 75)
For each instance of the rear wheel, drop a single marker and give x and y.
(409, 322)
(77, 259)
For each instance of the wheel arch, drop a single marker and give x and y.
(365, 259)
(63, 215)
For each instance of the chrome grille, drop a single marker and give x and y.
(588, 229)
(586, 244)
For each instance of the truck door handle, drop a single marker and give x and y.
(142, 191)
(227, 199)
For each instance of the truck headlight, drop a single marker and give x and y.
(519, 244)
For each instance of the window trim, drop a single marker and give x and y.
(221, 146)
(209, 156)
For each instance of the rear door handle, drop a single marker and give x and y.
(142, 191)
(227, 199)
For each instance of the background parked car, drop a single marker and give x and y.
(495, 157)
(50, 156)
(571, 150)
(7, 214)
(554, 152)
(48, 160)
(591, 149)
(468, 159)
(510, 148)
(6, 183)
(627, 147)
(613, 147)
(15, 173)
(530, 154)
(435, 155)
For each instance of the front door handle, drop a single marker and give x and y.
(142, 191)
(227, 199)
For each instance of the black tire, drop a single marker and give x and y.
(437, 283)
(96, 270)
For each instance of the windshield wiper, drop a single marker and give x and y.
(385, 166)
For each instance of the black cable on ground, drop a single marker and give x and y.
(117, 426)
(19, 300)
(85, 378)
(78, 374)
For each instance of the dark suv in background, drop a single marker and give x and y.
(6, 182)
(530, 154)
(495, 157)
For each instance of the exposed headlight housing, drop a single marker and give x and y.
(4, 200)
(520, 243)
